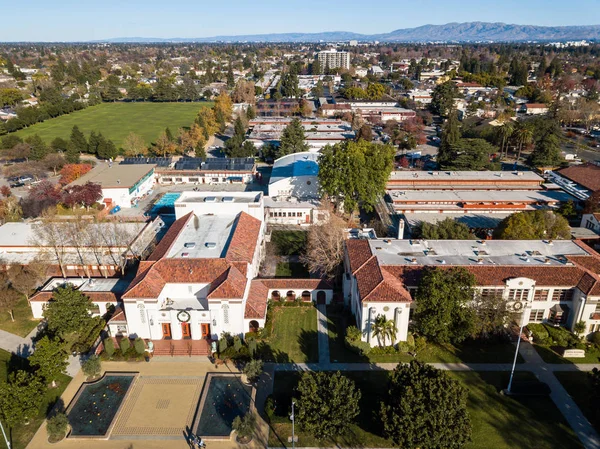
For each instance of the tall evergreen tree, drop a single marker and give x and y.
(78, 140)
(293, 139)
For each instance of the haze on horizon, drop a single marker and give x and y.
(72, 20)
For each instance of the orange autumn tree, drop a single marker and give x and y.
(71, 172)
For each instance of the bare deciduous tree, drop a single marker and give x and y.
(325, 247)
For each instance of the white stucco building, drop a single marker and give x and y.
(542, 281)
(121, 184)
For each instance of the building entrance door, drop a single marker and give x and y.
(185, 330)
(205, 330)
(166, 330)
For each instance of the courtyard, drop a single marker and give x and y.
(158, 410)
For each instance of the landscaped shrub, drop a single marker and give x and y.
(539, 332)
(595, 338)
(383, 350)
(420, 344)
(237, 343)
(252, 347)
(244, 426)
(109, 346)
(353, 333)
(222, 345)
(360, 347)
(410, 341)
(92, 366)
(124, 345)
(140, 346)
(57, 427)
(403, 346)
(561, 336)
(253, 369)
(269, 408)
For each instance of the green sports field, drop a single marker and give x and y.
(116, 120)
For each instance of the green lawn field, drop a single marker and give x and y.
(116, 120)
(497, 421)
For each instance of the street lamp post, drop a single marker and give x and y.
(512, 371)
(4, 434)
(292, 417)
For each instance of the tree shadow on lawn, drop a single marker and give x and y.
(513, 421)
(309, 345)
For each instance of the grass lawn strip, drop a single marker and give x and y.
(579, 387)
(550, 355)
(294, 335)
(116, 120)
(472, 352)
(498, 422)
(24, 322)
(23, 435)
(291, 270)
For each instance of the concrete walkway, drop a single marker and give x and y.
(532, 363)
(21, 346)
(565, 403)
(24, 347)
(322, 334)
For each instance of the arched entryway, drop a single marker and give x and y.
(321, 297)
(290, 296)
(253, 326)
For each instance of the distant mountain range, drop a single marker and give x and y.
(450, 32)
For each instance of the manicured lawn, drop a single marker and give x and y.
(498, 422)
(578, 385)
(550, 355)
(23, 435)
(292, 335)
(24, 322)
(116, 120)
(471, 352)
(291, 270)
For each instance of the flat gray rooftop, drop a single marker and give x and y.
(468, 252)
(205, 236)
(113, 285)
(483, 196)
(409, 175)
(471, 220)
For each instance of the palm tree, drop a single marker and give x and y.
(506, 131)
(384, 329)
(524, 137)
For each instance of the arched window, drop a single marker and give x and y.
(306, 295)
(291, 295)
(276, 296)
(253, 326)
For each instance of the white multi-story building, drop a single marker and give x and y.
(542, 281)
(333, 59)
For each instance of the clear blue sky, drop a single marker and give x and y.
(69, 20)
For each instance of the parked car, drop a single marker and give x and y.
(15, 184)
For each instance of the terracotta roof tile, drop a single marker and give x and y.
(245, 238)
(231, 284)
(164, 246)
(359, 251)
(118, 316)
(368, 276)
(586, 175)
(256, 304)
(176, 271)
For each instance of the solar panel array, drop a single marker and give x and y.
(159, 161)
(216, 164)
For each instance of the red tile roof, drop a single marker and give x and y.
(199, 271)
(164, 246)
(229, 285)
(586, 175)
(244, 240)
(118, 316)
(359, 251)
(256, 304)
